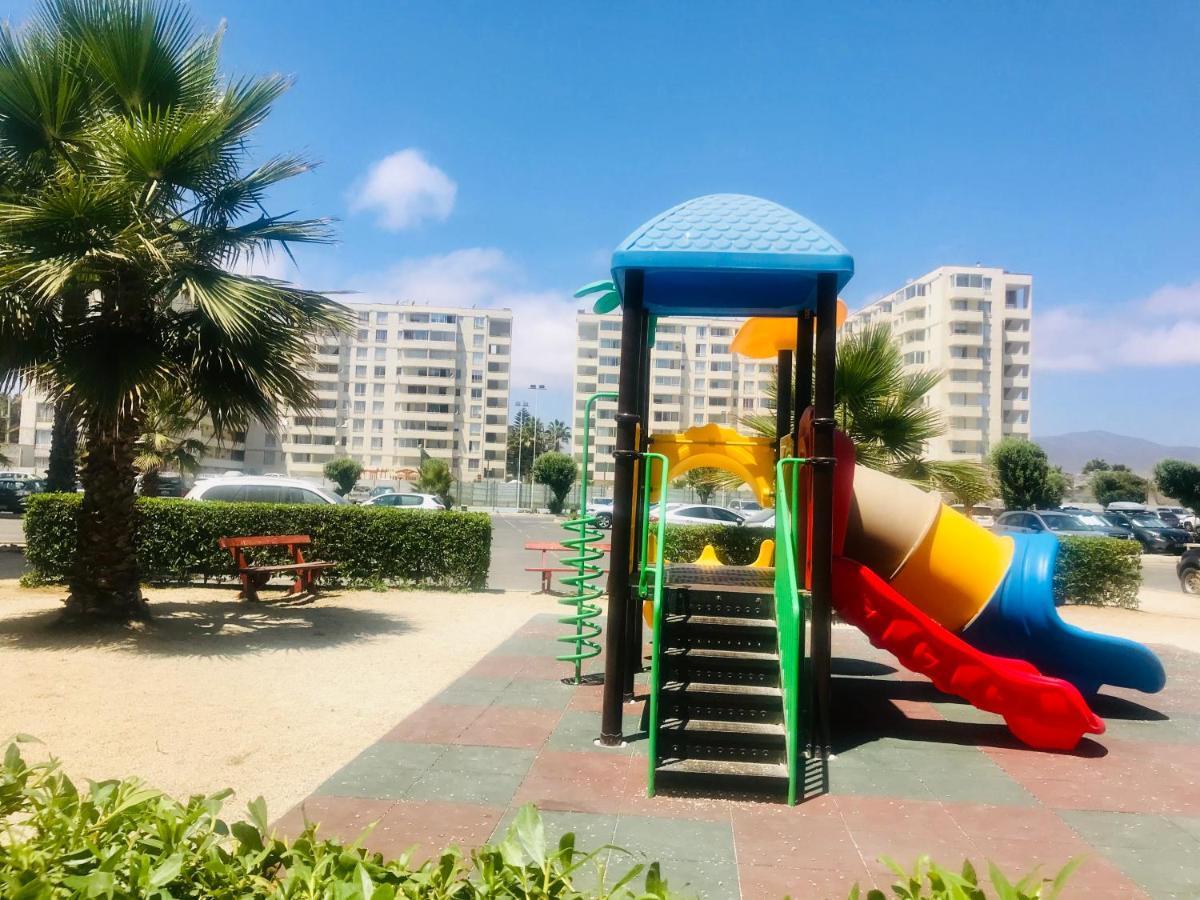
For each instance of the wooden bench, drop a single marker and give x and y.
(255, 577)
(549, 571)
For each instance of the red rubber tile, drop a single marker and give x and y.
(508, 726)
(811, 836)
(435, 723)
(431, 826)
(572, 781)
(344, 818)
(773, 882)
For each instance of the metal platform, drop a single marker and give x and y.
(729, 576)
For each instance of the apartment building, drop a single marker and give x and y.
(408, 380)
(971, 323)
(694, 380)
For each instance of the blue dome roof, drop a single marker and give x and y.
(730, 254)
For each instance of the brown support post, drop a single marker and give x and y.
(624, 500)
(783, 398)
(633, 643)
(822, 502)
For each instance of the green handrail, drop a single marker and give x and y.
(587, 592)
(790, 615)
(652, 568)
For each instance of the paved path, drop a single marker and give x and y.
(916, 772)
(11, 531)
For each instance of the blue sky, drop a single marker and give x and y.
(496, 152)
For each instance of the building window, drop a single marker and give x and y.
(360, 371)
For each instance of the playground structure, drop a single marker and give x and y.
(740, 667)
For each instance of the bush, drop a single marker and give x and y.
(1098, 572)
(1095, 571)
(177, 540)
(125, 839)
(735, 546)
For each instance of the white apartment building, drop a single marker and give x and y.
(971, 323)
(408, 379)
(694, 380)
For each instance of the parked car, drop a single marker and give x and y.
(745, 507)
(263, 489)
(697, 514)
(14, 492)
(602, 509)
(1113, 525)
(1188, 570)
(984, 515)
(1155, 535)
(1037, 521)
(381, 489)
(397, 500)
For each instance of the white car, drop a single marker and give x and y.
(397, 500)
(745, 507)
(263, 489)
(698, 514)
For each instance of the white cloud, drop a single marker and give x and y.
(405, 189)
(543, 342)
(1159, 331)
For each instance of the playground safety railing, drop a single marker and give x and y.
(791, 609)
(584, 560)
(650, 587)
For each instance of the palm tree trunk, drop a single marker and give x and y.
(150, 482)
(104, 581)
(64, 446)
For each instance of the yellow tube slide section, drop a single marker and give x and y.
(940, 560)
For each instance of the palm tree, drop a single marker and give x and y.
(557, 434)
(142, 207)
(883, 409)
(166, 441)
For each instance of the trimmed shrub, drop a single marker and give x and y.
(735, 546)
(177, 540)
(1098, 572)
(1095, 571)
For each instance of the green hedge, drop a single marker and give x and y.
(1095, 571)
(1098, 572)
(735, 546)
(177, 540)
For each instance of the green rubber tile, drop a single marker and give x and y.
(472, 691)
(578, 730)
(675, 838)
(853, 778)
(523, 645)
(384, 771)
(1190, 824)
(709, 879)
(484, 760)
(965, 712)
(950, 772)
(529, 693)
(1175, 730)
(493, 788)
(1155, 851)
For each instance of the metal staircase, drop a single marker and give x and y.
(728, 665)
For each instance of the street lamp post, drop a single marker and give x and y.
(520, 404)
(536, 388)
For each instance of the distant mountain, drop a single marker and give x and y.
(1072, 450)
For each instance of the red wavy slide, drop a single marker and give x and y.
(1043, 712)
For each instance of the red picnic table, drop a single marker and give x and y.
(548, 571)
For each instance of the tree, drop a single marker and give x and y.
(969, 487)
(1058, 485)
(704, 481)
(558, 472)
(166, 440)
(141, 205)
(434, 478)
(882, 408)
(1119, 485)
(1021, 473)
(344, 472)
(1095, 465)
(1179, 480)
(558, 434)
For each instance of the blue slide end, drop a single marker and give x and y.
(1020, 622)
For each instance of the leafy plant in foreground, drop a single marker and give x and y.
(123, 839)
(929, 881)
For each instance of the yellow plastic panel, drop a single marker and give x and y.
(763, 338)
(955, 570)
(751, 459)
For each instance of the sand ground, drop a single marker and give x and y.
(270, 699)
(264, 699)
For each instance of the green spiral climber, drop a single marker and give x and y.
(584, 559)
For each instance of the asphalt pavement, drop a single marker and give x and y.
(11, 531)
